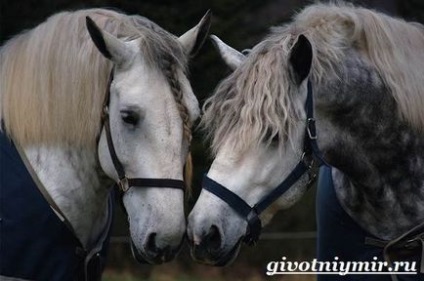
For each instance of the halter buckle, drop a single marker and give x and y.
(123, 184)
(310, 128)
(312, 178)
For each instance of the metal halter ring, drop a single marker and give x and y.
(307, 159)
(311, 132)
(123, 184)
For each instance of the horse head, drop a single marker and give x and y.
(144, 144)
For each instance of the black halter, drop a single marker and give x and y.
(251, 214)
(124, 183)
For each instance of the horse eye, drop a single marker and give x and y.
(130, 117)
(275, 138)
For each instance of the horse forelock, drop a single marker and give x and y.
(257, 101)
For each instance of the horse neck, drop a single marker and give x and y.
(379, 157)
(75, 182)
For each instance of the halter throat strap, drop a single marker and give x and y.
(251, 214)
(124, 183)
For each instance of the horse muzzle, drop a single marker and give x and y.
(210, 250)
(152, 254)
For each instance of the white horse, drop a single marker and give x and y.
(53, 85)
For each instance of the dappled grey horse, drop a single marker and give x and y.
(340, 84)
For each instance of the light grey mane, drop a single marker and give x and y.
(257, 101)
(56, 66)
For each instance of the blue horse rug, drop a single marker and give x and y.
(35, 244)
(340, 236)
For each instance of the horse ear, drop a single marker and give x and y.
(231, 56)
(110, 46)
(193, 39)
(301, 58)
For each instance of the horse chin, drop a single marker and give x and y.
(145, 259)
(221, 260)
(230, 256)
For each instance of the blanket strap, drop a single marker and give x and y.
(411, 240)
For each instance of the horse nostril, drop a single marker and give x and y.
(151, 244)
(213, 238)
(158, 254)
(151, 247)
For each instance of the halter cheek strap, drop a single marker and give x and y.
(251, 214)
(124, 183)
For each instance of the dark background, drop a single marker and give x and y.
(241, 24)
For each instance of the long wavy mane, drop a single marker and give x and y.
(256, 102)
(53, 79)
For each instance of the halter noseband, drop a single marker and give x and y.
(251, 214)
(124, 183)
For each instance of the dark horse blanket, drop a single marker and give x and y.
(34, 243)
(340, 236)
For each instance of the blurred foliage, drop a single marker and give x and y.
(241, 24)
